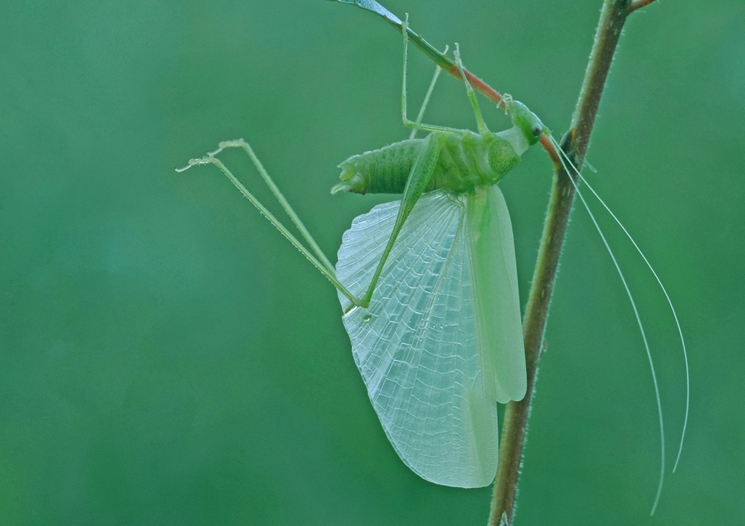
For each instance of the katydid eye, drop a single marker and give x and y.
(536, 130)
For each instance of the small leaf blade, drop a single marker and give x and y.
(374, 7)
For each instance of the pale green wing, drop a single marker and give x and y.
(497, 299)
(418, 347)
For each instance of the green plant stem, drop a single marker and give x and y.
(575, 142)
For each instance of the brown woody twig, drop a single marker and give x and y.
(575, 142)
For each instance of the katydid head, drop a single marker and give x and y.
(527, 122)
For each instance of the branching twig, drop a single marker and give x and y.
(575, 142)
(637, 4)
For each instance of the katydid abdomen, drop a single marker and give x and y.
(464, 162)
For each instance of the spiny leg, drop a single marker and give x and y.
(431, 88)
(471, 94)
(323, 267)
(241, 143)
(409, 123)
(419, 177)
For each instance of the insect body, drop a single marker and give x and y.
(439, 341)
(428, 286)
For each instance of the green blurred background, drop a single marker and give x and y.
(167, 358)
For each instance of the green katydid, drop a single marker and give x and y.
(429, 290)
(428, 285)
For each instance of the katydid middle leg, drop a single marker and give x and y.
(407, 122)
(425, 102)
(433, 127)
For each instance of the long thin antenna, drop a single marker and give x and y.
(564, 160)
(670, 304)
(672, 309)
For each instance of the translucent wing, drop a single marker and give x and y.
(424, 348)
(492, 254)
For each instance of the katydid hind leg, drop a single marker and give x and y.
(241, 143)
(323, 266)
(420, 175)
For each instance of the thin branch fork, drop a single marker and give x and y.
(638, 4)
(575, 143)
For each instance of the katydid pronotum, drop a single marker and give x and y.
(428, 286)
